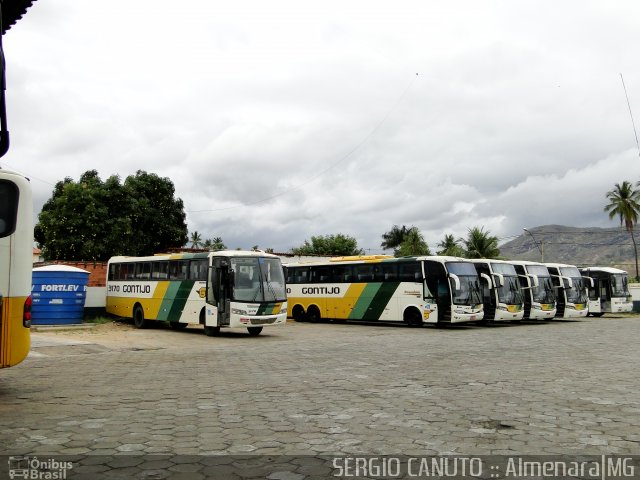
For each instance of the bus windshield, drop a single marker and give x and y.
(543, 293)
(258, 279)
(619, 285)
(510, 292)
(469, 293)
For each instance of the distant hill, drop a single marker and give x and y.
(589, 246)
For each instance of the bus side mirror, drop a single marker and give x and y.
(589, 281)
(456, 280)
(499, 279)
(527, 281)
(488, 279)
(567, 281)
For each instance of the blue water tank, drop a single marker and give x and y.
(58, 293)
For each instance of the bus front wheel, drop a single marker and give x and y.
(211, 331)
(413, 317)
(138, 317)
(254, 331)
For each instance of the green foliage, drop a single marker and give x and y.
(94, 220)
(624, 202)
(214, 244)
(480, 244)
(405, 241)
(195, 239)
(394, 237)
(412, 245)
(338, 244)
(449, 246)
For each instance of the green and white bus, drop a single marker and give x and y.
(539, 294)
(224, 289)
(609, 292)
(571, 290)
(414, 290)
(501, 290)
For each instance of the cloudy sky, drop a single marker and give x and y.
(282, 120)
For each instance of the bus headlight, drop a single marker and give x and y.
(239, 311)
(283, 310)
(537, 307)
(501, 307)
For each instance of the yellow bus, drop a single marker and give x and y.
(230, 289)
(16, 261)
(413, 290)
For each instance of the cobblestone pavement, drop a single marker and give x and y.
(324, 389)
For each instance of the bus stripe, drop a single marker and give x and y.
(179, 299)
(360, 309)
(381, 299)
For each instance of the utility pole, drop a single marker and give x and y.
(539, 245)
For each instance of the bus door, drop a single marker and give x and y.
(219, 292)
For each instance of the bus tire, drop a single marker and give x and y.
(313, 314)
(138, 317)
(211, 331)
(254, 331)
(298, 314)
(412, 317)
(178, 325)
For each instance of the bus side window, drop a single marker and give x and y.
(363, 272)
(128, 271)
(410, 272)
(159, 270)
(178, 270)
(321, 274)
(198, 270)
(342, 274)
(8, 208)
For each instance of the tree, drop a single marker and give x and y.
(94, 220)
(157, 216)
(449, 246)
(394, 237)
(195, 239)
(328, 245)
(214, 244)
(624, 202)
(479, 244)
(413, 245)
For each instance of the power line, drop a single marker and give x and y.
(630, 113)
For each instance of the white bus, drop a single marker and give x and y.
(609, 292)
(571, 289)
(16, 262)
(414, 290)
(501, 290)
(539, 294)
(230, 289)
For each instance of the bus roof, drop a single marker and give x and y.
(187, 256)
(612, 270)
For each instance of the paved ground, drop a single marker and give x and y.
(323, 389)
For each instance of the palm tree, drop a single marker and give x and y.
(479, 244)
(623, 202)
(217, 244)
(413, 244)
(449, 246)
(196, 240)
(394, 237)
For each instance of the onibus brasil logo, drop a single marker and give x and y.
(36, 469)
